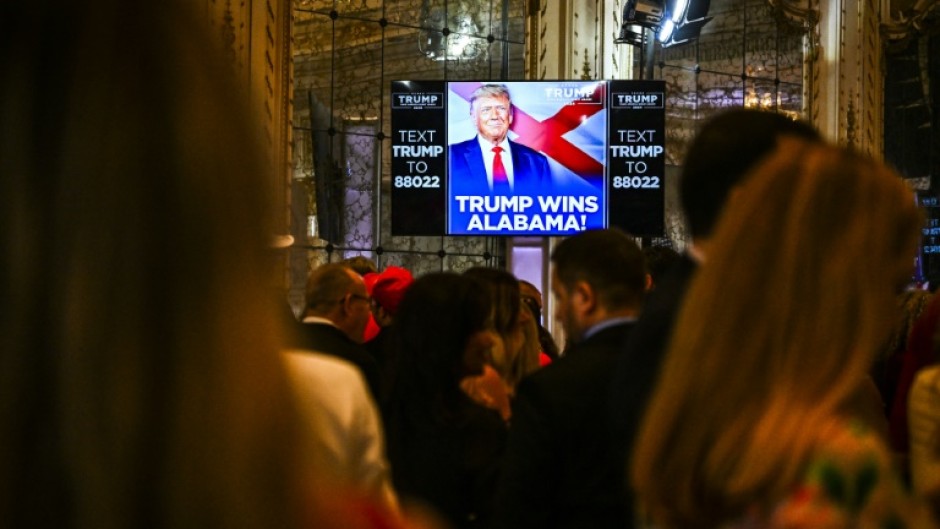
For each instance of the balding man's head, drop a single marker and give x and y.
(337, 293)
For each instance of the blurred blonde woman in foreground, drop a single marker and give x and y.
(140, 377)
(747, 426)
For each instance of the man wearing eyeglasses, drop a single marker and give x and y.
(335, 316)
(490, 163)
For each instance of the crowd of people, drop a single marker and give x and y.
(774, 374)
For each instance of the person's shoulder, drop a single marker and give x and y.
(596, 357)
(332, 385)
(664, 301)
(927, 380)
(320, 329)
(556, 379)
(610, 337)
(323, 366)
(330, 339)
(925, 392)
(535, 386)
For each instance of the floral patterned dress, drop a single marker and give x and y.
(849, 483)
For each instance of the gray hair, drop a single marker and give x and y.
(326, 285)
(490, 90)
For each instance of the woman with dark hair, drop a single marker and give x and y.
(443, 446)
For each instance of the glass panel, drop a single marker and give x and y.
(460, 263)
(323, 6)
(761, 64)
(468, 49)
(359, 162)
(759, 25)
(680, 56)
(466, 245)
(681, 110)
(760, 94)
(313, 58)
(416, 263)
(517, 24)
(405, 60)
(406, 13)
(503, 20)
(516, 60)
(789, 61)
(721, 43)
(364, 9)
(790, 98)
(473, 17)
(413, 13)
(718, 91)
(355, 76)
(761, 45)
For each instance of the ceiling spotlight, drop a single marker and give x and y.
(674, 21)
(686, 32)
(646, 13)
(666, 31)
(678, 10)
(631, 34)
(637, 16)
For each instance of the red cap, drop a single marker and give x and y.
(390, 286)
(369, 279)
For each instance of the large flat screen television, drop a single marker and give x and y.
(573, 155)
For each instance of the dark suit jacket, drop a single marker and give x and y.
(558, 470)
(531, 174)
(325, 338)
(635, 374)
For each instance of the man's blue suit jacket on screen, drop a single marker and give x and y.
(531, 173)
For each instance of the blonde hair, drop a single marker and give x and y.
(140, 382)
(506, 315)
(778, 327)
(516, 353)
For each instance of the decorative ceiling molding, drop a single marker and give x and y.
(803, 14)
(920, 19)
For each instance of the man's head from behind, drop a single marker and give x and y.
(598, 275)
(491, 110)
(724, 150)
(360, 264)
(337, 293)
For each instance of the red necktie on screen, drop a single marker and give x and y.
(500, 180)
